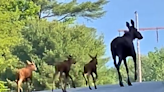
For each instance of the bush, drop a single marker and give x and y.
(3, 88)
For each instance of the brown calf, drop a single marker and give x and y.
(63, 67)
(89, 69)
(24, 74)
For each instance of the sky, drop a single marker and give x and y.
(150, 14)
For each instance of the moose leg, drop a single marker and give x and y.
(85, 78)
(29, 87)
(88, 75)
(73, 84)
(118, 70)
(135, 66)
(64, 83)
(129, 83)
(94, 81)
(54, 78)
(54, 75)
(96, 74)
(27, 84)
(30, 80)
(18, 88)
(19, 85)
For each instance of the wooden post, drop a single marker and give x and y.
(157, 34)
(138, 51)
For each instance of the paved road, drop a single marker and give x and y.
(137, 87)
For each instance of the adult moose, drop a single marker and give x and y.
(89, 69)
(24, 74)
(64, 68)
(123, 47)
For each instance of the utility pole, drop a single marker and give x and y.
(138, 43)
(138, 51)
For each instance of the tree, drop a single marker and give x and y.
(54, 8)
(10, 30)
(10, 36)
(153, 65)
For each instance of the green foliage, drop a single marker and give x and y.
(154, 65)
(10, 30)
(3, 88)
(53, 8)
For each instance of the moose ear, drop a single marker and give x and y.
(90, 55)
(132, 22)
(96, 55)
(28, 62)
(70, 56)
(32, 62)
(127, 24)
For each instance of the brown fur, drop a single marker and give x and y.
(89, 69)
(64, 67)
(25, 73)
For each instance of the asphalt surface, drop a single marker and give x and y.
(153, 86)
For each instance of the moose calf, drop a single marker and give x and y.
(64, 67)
(24, 74)
(89, 69)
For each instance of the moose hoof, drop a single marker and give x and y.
(90, 88)
(135, 77)
(129, 83)
(64, 90)
(74, 87)
(86, 83)
(95, 87)
(121, 84)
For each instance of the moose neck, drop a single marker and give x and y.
(29, 67)
(69, 62)
(93, 62)
(129, 35)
